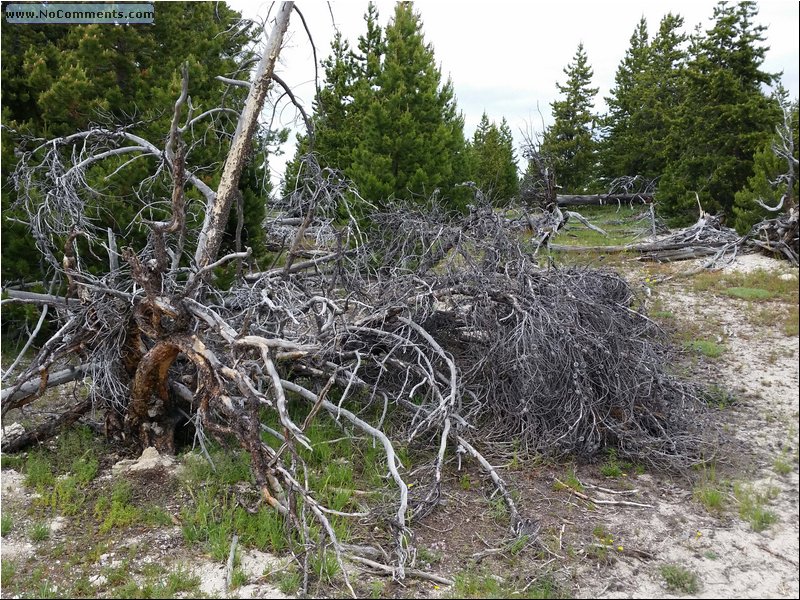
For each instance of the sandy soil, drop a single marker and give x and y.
(730, 559)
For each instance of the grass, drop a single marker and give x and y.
(747, 293)
(753, 506)
(8, 568)
(117, 511)
(613, 467)
(680, 579)
(781, 465)
(39, 532)
(289, 582)
(716, 395)
(739, 284)
(469, 584)
(6, 523)
(707, 348)
(710, 492)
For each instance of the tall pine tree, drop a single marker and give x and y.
(493, 162)
(620, 152)
(412, 141)
(569, 141)
(724, 117)
(643, 105)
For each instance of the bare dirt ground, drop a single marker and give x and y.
(590, 550)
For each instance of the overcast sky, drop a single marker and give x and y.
(505, 57)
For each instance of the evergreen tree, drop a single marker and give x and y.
(620, 150)
(767, 184)
(412, 139)
(493, 162)
(644, 102)
(570, 139)
(70, 77)
(724, 117)
(340, 105)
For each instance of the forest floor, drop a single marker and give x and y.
(728, 530)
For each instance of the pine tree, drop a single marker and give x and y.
(340, 105)
(70, 77)
(620, 150)
(767, 184)
(724, 117)
(569, 141)
(493, 162)
(412, 140)
(644, 102)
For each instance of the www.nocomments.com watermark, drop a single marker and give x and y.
(118, 13)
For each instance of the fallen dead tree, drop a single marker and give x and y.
(707, 237)
(603, 199)
(436, 331)
(779, 236)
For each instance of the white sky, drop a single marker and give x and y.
(505, 57)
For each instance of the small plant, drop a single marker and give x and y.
(752, 506)
(707, 348)
(8, 569)
(181, 580)
(470, 584)
(709, 492)
(238, 578)
(571, 479)
(289, 582)
(712, 498)
(116, 511)
(497, 508)
(39, 532)
(518, 545)
(6, 524)
(680, 579)
(718, 396)
(781, 465)
(465, 482)
(376, 589)
(39, 471)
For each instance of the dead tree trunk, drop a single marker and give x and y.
(603, 199)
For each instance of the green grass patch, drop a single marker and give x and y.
(791, 321)
(8, 568)
(716, 395)
(746, 293)
(753, 506)
(707, 348)
(757, 286)
(781, 465)
(680, 579)
(39, 532)
(6, 523)
(289, 582)
(39, 471)
(12, 461)
(471, 584)
(117, 510)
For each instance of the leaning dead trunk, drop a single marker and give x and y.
(218, 208)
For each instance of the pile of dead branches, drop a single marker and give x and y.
(779, 236)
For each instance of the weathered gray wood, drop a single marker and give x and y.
(218, 209)
(602, 199)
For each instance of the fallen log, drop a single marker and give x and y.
(47, 430)
(603, 199)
